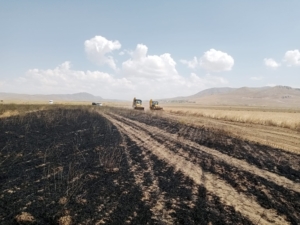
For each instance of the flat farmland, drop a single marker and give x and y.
(279, 117)
(91, 165)
(276, 127)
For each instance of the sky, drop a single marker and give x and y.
(147, 49)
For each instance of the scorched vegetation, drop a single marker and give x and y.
(117, 166)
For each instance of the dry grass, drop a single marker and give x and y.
(15, 109)
(7, 110)
(65, 220)
(25, 217)
(268, 116)
(287, 119)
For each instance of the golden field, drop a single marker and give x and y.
(277, 127)
(286, 118)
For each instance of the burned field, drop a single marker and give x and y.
(118, 166)
(62, 165)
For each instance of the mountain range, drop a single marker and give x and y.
(261, 96)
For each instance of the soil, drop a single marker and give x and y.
(276, 137)
(77, 166)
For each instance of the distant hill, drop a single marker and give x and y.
(83, 96)
(212, 91)
(263, 96)
(282, 96)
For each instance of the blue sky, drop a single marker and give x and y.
(154, 49)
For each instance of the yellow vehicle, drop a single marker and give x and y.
(154, 105)
(137, 104)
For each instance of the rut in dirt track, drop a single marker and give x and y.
(172, 197)
(258, 183)
(160, 135)
(230, 184)
(264, 157)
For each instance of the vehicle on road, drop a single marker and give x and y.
(153, 105)
(137, 104)
(97, 103)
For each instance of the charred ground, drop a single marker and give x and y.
(102, 167)
(61, 162)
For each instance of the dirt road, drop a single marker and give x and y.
(236, 190)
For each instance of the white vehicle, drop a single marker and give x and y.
(50, 101)
(97, 103)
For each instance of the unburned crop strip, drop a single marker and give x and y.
(193, 203)
(156, 133)
(228, 195)
(267, 192)
(189, 203)
(264, 157)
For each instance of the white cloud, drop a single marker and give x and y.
(271, 63)
(191, 64)
(256, 78)
(216, 61)
(98, 49)
(142, 75)
(212, 61)
(141, 65)
(121, 53)
(292, 58)
(63, 79)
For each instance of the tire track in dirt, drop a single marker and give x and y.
(264, 157)
(142, 170)
(253, 132)
(163, 205)
(266, 193)
(280, 180)
(189, 203)
(228, 195)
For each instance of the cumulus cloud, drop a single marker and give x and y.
(216, 61)
(63, 79)
(141, 75)
(212, 61)
(271, 63)
(98, 49)
(292, 58)
(141, 65)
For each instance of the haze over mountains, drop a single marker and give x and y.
(264, 96)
